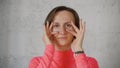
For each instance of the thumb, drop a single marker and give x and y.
(55, 32)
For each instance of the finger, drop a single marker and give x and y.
(47, 25)
(45, 32)
(76, 29)
(44, 29)
(72, 32)
(84, 25)
(83, 30)
(80, 24)
(51, 25)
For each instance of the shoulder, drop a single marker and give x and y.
(34, 62)
(36, 59)
(92, 62)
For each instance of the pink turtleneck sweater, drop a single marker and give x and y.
(62, 59)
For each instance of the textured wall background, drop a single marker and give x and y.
(21, 30)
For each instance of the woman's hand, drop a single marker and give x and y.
(48, 34)
(79, 36)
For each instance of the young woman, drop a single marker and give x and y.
(64, 33)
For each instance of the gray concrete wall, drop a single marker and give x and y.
(21, 30)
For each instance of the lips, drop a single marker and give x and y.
(62, 38)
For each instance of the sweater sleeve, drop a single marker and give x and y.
(44, 61)
(85, 62)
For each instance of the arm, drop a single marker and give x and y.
(82, 61)
(45, 60)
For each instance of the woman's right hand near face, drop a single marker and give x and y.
(48, 34)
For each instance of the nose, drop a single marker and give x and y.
(62, 30)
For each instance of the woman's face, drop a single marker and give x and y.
(62, 23)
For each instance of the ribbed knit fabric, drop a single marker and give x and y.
(62, 59)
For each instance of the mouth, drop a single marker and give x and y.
(63, 38)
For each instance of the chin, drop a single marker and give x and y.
(63, 43)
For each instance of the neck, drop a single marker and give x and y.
(62, 48)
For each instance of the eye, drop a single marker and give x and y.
(68, 25)
(56, 25)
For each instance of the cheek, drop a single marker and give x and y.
(70, 36)
(55, 35)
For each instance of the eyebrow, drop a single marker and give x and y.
(55, 23)
(65, 22)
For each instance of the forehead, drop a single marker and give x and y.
(63, 16)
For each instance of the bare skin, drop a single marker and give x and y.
(56, 38)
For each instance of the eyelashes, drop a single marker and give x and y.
(56, 26)
(68, 26)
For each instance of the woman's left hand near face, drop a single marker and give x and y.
(48, 35)
(79, 36)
